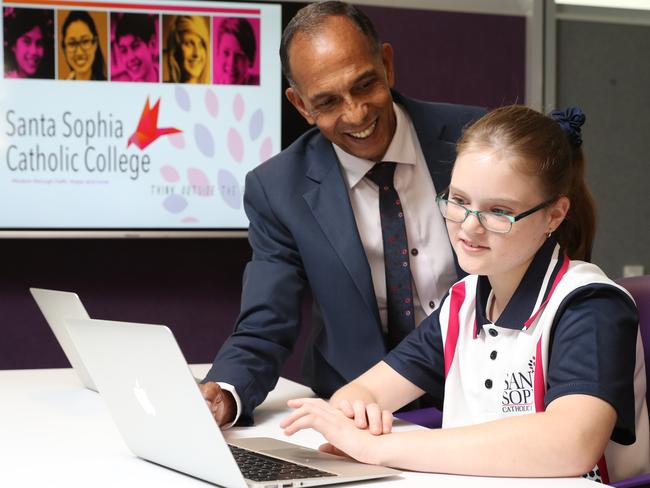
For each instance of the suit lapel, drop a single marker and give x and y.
(330, 204)
(438, 153)
(440, 156)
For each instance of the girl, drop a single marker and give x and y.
(536, 353)
(188, 50)
(28, 45)
(81, 47)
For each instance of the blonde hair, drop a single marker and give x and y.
(195, 25)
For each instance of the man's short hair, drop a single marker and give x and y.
(310, 19)
(136, 25)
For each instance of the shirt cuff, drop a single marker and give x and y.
(229, 388)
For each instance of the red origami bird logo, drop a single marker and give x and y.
(148, 130)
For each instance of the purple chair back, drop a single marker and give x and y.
(639, 288)
(429, 417)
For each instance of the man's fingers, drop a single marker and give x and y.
(220, 402)
(209, 390)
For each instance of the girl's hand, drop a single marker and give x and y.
(339, 430)
(369, 416)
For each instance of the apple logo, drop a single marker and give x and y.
(143, 399)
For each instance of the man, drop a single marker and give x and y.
(315, 220)
(137, 48)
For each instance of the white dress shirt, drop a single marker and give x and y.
(430, 255)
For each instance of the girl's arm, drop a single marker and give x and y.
(566, 440)
(382, 385)
(372, 397)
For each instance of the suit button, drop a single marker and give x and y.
(414, 252)
(493, 355)
(432, 304)
(493, 332)
(488, 384)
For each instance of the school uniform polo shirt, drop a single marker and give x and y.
(567, 329)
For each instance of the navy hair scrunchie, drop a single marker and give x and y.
(571, 120)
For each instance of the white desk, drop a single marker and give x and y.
(53, 433)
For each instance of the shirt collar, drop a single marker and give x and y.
(532, 292)
(402, 149)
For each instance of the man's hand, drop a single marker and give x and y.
(220, 402)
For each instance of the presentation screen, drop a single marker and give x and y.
(134, 117)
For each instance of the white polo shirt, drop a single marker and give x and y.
(568, 329)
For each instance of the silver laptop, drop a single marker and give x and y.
(153, 398)
(57, 306)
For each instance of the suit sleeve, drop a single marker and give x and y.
(273, 286)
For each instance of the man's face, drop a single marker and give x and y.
(136, 55)
(343, 87)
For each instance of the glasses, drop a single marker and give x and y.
(84, 44)
(492, 221)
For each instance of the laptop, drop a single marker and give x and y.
(57, 306)
(162, 416)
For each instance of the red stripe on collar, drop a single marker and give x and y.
(558, 278)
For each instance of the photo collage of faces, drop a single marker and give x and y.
(130, 47)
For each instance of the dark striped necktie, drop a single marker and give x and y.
(399, 296)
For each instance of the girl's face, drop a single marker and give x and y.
(80, 48)
(194, 55)
(28, 51)
(485, 179)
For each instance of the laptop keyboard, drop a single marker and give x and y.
(258, 467)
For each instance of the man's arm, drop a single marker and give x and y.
(269, 321)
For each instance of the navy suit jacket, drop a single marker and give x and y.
(303, 234)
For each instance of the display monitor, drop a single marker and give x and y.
(134, 118)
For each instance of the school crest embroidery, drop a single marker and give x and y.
(518, 390)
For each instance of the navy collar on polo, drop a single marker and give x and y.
(521, 306)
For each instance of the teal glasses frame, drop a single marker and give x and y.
(492, 221)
